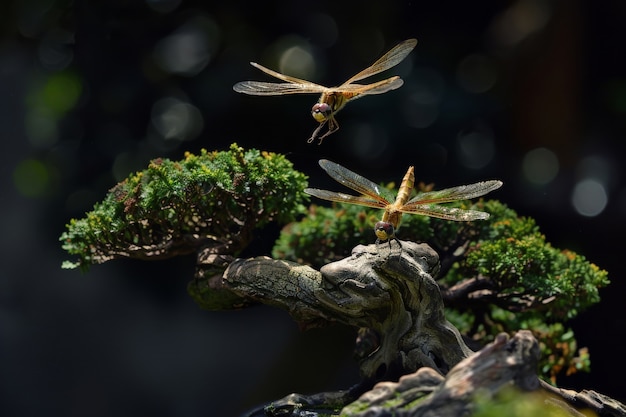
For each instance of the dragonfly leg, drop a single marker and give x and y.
(333, 126)
(388, 241)
(399, 246)
(316, 131)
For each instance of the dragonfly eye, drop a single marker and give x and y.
(321, 111)
(384, 231)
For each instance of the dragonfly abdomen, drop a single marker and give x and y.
(385, 229)
(406, 187)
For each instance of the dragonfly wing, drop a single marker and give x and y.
(260, 88)
(344, 198)
(380, 87)
(446, 213)
(356, 182)
(461, 192)
(287, 78)
(390, 59)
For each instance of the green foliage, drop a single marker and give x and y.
(497, 275)
(214, 200)
(528, 284)
(324, 235)
(525, 272)
(559, 349)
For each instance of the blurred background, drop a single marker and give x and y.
(532, 92)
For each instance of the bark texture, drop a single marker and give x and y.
(388, 292)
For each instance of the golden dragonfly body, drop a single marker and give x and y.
(332, 99)
(426, 203)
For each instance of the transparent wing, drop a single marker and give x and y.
(379, 87)
(447, 213)
(287, 78)
(462, 192)
(346, 198)
(356, 182)
(293, 85)
(260, 88)
(390, 59)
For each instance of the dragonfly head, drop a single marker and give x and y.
(384, 231)
(321, 112)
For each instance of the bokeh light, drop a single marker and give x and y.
(49, 99)
(297, 60)
(31, 178)
(190, 48)
(475, 149)
(540, 166)
(293, 56)
(175, 119)
(589, 197)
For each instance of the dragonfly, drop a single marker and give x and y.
(425, 203)
(332, 99)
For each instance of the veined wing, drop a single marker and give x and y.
(390, 59)
(287, 78)
(260, 88)
(461, 192)
(293, 85)
(346, 198)
(356, 182)
(446, 213)
(379, 87)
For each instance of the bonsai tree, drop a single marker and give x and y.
(507, 292)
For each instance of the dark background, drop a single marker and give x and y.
(90, 91)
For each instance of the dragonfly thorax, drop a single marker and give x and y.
(384, 231)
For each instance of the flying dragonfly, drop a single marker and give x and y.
(426, 203)
(332, 99)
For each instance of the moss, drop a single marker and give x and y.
(515, 403)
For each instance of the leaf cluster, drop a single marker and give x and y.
(214, 199)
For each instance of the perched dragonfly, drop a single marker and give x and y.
(332, 99)
(426, 203)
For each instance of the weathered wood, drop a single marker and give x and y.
(505, 364)
(283, 284)
(387, 289)
(426, 393)
(388, 292)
